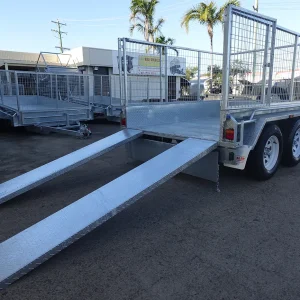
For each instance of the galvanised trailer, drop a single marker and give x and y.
(253, 127)
(45, 101)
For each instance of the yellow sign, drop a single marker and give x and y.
(149, 61)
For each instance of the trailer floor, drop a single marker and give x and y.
(182, 241)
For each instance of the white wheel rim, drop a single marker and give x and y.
(296, 144)
(271, 152)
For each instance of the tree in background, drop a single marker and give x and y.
(210, 16)
(191, 72)
(163, 40)
(237, 68)
(142, 19)
(166, 41)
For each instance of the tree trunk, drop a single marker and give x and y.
(211, 35)
(146, 33)
(211, 61)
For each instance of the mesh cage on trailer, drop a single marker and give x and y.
(156, 73)
(249, 40)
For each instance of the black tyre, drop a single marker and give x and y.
(291, 144)
(264, 160)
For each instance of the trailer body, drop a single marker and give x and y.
(250, 128)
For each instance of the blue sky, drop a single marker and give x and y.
(26, 25)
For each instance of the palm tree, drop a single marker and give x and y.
(142, 18)
(166, 41)
(209, 15)
(163, 40)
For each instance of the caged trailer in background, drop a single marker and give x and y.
(251, 125)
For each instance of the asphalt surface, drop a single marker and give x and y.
(182, 241)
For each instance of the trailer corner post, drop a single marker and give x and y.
(120, 70)
(1, 90)
(110, 88)
(56, 90)
(130, 90)
(125, 71)
(148, 85)
(51, 92)
(226, 56)
(166, 75)
(17, 91)
(160, 73)
(37, 86)
(68, 88)
(265, 65)
(271, 64)
(199, 73)
(293, 68)
(101, 84)
(79, 86)
(88, 90)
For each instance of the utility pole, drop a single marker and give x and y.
(60, 33)
(255, 6)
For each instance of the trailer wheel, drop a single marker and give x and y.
(291, 145)
(266, 156)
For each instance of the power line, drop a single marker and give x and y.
(60, 33)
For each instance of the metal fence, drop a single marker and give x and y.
(260, 65)
(164, 73)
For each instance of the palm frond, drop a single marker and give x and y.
(223, 7)
(191, 15)
(138, 26)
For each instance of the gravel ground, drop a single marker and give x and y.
(182, 241)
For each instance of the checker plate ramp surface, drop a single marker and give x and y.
(31, 247)
(31, 179)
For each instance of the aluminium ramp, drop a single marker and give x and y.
(31, 179)
(31, 247)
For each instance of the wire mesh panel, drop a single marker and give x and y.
(248, 60)
(8, 84)
(296, 85)
(34, 90)
(284, 71)
(163, 73)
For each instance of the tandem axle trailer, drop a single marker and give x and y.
(253, 129)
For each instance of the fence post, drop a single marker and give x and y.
(293, 69)
(17, 91)
(199, 73)
(68, 87)
(263, 87)
(166, 75)
(160, 73)
(51, 92)
(56, 90)
(125, 71)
